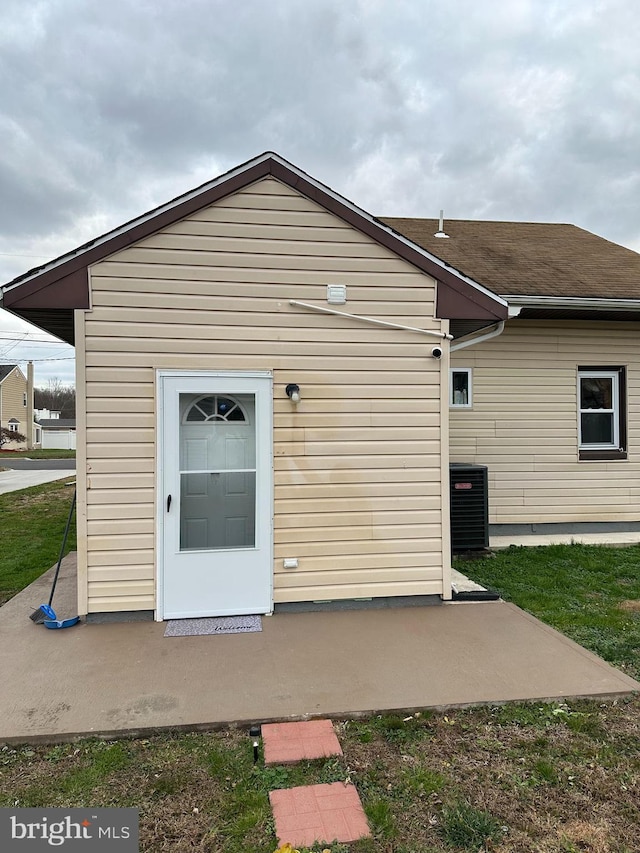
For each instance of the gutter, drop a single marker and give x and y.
(517, 303)
(575, 302)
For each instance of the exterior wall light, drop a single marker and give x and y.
(293, 392)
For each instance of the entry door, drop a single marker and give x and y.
(216, 505)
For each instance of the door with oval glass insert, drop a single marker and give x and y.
(217, 517)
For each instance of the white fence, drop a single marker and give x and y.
(58, 439)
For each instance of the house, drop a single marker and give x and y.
(46, 414)
(272, 384)
(548, 401)
(16, 405)
(262, 392)
(58, 433)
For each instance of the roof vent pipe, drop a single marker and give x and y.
(440, 231)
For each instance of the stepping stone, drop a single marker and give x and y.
(318, 813)
(286, 743)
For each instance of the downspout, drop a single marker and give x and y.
(373, 320)
(495, 331)
(498, 329)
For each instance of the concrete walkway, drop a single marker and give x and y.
(614, 538)
(13, 481)
(110, 679)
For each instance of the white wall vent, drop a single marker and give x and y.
(336, 294)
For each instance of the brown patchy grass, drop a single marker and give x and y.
(630, 606)
(536, 778)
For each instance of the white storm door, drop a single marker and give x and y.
(216, 496)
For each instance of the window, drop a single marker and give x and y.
(24, 398)
(214, 408)
(460, 388)
(13, 425)
(602, 429)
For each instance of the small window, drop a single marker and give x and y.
(460, 388)
(24, 398)
(214, 408)
(602, 432)
(13, 425)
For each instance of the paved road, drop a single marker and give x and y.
(24, 464)
(24, 473)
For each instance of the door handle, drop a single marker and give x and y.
(168, 503)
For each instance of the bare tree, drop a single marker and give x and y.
(57, 397)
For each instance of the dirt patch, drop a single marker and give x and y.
(51, 491)
(540, 778)
(630, 606)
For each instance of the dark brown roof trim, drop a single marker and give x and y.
(65, 283)
(482, 304)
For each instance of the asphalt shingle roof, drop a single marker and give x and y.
(529, 258)
(59, 423)
(5, 370)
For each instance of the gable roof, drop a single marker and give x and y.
(530, 258)
(57, 423)
(6, 369)
(47, 295)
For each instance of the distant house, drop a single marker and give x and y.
(41, 414)
(58, 433)
(15, 411)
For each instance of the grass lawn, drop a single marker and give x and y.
(589, 592)
(33, 523)
(36, 454)
(513, 779)
(529, 778)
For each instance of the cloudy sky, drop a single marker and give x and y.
(500, 109)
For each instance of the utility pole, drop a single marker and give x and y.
(30, 406)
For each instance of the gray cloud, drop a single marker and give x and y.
(521, 110)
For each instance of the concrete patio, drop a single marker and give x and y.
(116, 679)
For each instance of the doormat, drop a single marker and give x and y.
(213, 625)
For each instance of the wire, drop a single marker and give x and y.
(28, 336)
(25, 360)
(13, 255)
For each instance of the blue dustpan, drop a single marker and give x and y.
(61, 623)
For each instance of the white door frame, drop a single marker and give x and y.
(265, 438)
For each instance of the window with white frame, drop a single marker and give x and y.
(460, 388)
(13, 425)
(601, 412)
(24, 398)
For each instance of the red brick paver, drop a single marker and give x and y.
(286, 743)
(318, 813)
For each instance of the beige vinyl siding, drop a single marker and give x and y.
(524, 422)
(13, 389)
(357, 463)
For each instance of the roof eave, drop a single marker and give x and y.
(64, 282)
(564, 303)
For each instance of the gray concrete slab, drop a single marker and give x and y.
(115, 679)
(618, 538)
(13, 481)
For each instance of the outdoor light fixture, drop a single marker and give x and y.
(254, 734)
(293, 392)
